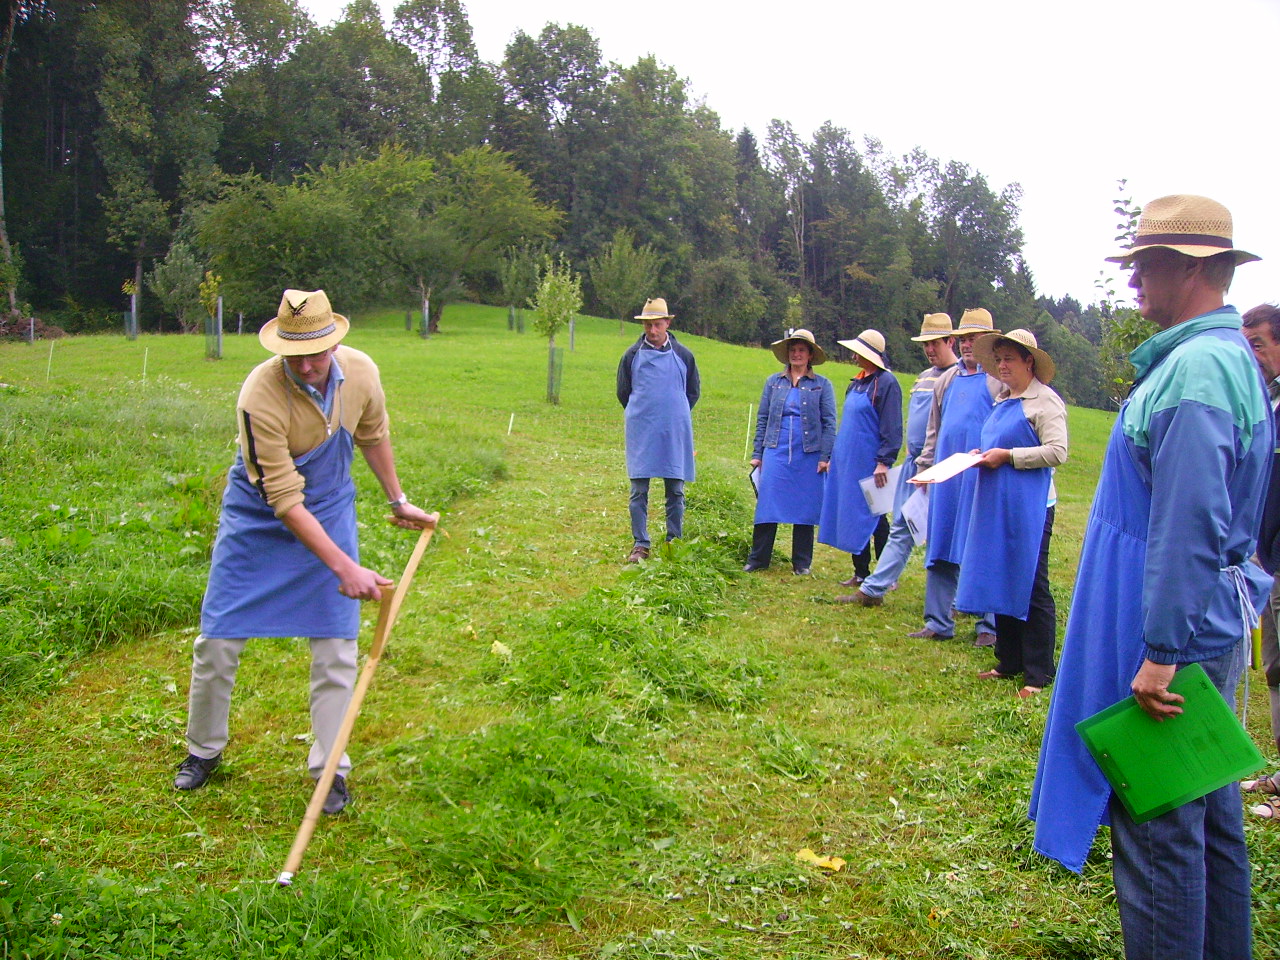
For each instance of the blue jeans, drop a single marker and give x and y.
(939, 593)
(1182, 879)
(640, 509)
(893, 560)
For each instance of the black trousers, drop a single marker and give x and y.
(862, 561)
(1026, 646)
(762, 538)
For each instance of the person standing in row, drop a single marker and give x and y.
(867, 443)
(1006, 553)
(1165, 580)
(286, 560)
(938, 343)
(795, 432)
(962, 401)
(658, 387)
(1262, 331)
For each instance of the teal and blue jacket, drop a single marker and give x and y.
(1173, 525)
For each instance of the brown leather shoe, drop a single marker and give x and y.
(984, 639)
(924, 633)
(638, 554)
(852, 581)
(861, 599)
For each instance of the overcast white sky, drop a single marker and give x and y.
(1175, 96)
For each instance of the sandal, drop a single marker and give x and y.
(994, 675)
(1027, 692)
(1267, 785)
(1267, 811)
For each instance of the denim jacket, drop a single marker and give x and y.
(817, 413)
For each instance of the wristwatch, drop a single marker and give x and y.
(399, 501)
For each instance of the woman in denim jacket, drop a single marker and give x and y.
(795, 431)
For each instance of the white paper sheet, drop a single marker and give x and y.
(880, 499)
(915, 512)
(946, 469)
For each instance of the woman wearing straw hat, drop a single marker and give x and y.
(867, 444)
(795, 432)
(1006, 557)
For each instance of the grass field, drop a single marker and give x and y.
(561, 756)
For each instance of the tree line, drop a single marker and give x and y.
(162, 143)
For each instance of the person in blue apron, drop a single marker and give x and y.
(795, 432)
(1261, 328)
(937, 340)
(1165, 580)
(867, 444)
(962, 401)
(658, 386)
(285, 560)
(1006, 559)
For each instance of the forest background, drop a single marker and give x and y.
(151, 145)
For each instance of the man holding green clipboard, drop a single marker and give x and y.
(1165, 581)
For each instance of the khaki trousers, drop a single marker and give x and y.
(213, 675)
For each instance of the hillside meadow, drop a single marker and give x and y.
(561, 756)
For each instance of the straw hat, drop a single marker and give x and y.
(780, 347)
(869, 344)
(935, 327)
(655, 309)
(1185, 223)
(305, 323)
(976, 320)
(984, 351)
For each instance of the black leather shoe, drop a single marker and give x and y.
(195, 771)
(338, 797)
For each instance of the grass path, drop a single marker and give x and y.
(854, 742)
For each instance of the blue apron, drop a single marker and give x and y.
(263, 581)
(847, 522)
(1006, 526)
(918, 406)
(965, 407)
(658, 427)
(790, 485)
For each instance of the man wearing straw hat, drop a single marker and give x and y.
(937, 340)
(1165, 581)
(285, 561)
(962, 400)
(658, 386)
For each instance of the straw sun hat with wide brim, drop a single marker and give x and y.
(655, 309)
(781, 347)
(304, 324)
(984, 351)
(869, 345)
(1187, 224)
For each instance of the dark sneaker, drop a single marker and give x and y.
(984, 639)
(338, 797)
(195, 771)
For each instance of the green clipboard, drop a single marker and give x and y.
(1157, 766)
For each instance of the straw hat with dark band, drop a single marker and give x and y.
(984, 351)
(869, 345)
(935, 327)
(655, 309)
(976, 320)
(304, 324)
(781, 347)
(1191, 225)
